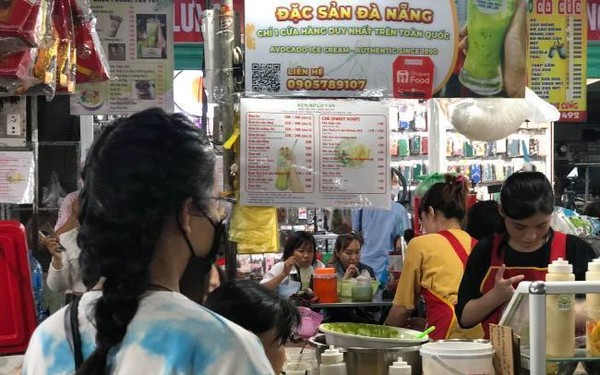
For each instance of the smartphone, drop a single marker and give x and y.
(45, 235)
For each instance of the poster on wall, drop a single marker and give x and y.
(348, 48)
(557, 62)
(593, 18)
(16, 177)
(137, 39)
(315, 153)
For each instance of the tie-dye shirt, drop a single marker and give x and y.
(169, 335)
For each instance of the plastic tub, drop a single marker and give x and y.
(458, 357)
(325, 285)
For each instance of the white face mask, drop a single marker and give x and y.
(395, 190)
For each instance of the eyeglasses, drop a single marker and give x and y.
(224, 209)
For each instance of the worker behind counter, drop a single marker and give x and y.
(522, 251)
(434, 263)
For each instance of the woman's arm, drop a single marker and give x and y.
(409, 287)
(398, 316)
(58, 278)
(273, 278)
(476, 310)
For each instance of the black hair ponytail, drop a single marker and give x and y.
(138, 172)
(525, 194)
(448, 197)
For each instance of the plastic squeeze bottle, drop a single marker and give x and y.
(560, 314)
(399, 368)
(332, 362)
(593, 311)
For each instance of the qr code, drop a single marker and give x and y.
(266, 77)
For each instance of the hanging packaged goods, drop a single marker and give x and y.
(39, 46)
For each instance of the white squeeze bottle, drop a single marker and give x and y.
(560, 313)
(592, 301)
(399, 368)
(332, 362)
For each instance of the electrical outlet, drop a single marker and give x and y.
(13, 124)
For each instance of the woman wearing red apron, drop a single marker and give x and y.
(522, 252)
(434, 263)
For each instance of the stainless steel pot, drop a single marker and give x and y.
(361, 361)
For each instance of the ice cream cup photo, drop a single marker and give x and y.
(487, 23)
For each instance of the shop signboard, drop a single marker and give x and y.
(315, 153)
(137, 37)
(593, 17)
(16, 181)
(347, 48)
(557, 62)
(188, 19)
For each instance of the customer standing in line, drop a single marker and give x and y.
(378, 228)
(434, 262)
(147, 212)
(64, 273)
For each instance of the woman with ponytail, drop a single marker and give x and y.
(434, 262)
(148, 212)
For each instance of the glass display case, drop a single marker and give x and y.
(526, 315)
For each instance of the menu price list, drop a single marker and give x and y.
(557, 58)
(350, 145)
(270, 133)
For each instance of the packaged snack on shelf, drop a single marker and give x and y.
(25, 24)
(425, 145)
(92, 65)
(16, 70)
(66, 55)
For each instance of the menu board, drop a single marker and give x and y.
(16, 177)
(137, 39)
(308, 153)
(558, 55)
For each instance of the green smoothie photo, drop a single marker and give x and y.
(487, 22)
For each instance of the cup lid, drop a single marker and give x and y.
(325, 271)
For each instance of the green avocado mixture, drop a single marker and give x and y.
(361, 329)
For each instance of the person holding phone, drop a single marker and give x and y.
(64, 273)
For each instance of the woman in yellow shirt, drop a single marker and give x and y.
(435, 262)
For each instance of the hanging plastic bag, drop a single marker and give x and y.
(92, 65)
(254, 229)
(53, 193)
(66, 67)
(25, 24)
(490, 119)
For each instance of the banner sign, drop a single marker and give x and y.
(315, 153)
(347, 48)
(188, 19)
(557, 62)
(137, 37)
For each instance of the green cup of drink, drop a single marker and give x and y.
(487, 22)
(283, 169)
